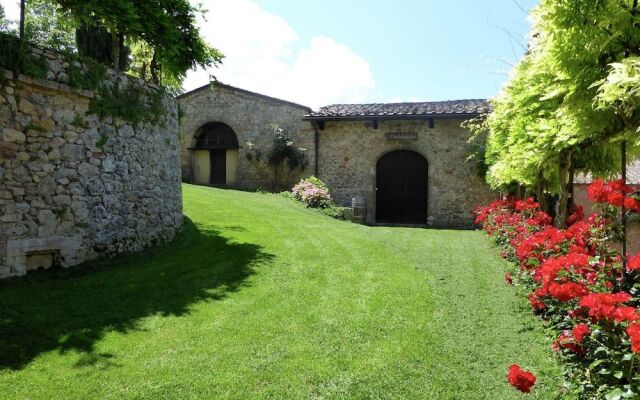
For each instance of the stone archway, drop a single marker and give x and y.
(215, 155)
(402, 188)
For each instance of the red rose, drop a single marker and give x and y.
(632, 204)
(567, 291)
(606, 306)
(580, 331)
(625, 313)
(634, 334)
(596, 191)
(536, 303)
(521, 379)
(633, 263)
(616, 199)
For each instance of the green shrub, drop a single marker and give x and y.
(131, 103)
(334, 212)
(15, 56)
(88, 77)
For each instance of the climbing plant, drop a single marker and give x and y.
(557, 115)
(283, 158)
(167, 26)
(129, 102)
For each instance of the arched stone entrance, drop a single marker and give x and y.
(402, 188)
(215, 155)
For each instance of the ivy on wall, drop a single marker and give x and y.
(130, 102)
(126, 98)
(85, 73)
(284, 158)
(15, 56)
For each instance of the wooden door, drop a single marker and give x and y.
(402, 188)
(218, 167)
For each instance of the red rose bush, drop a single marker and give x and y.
(576, 282)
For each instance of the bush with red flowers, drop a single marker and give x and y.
(577, 284)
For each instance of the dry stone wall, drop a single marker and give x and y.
(75, 185)
(249, 115)
(349, 151)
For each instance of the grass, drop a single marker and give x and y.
(261, 298)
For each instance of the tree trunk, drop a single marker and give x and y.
(541, 197)
(22, 11)
(564, 166)
(154, 69)
(115, 49)
(143, 71)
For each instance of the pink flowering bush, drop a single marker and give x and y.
(576, 283)
(313, 192)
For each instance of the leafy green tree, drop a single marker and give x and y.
(47, 25)
(548, 123)
(168, 26)
(4, 22)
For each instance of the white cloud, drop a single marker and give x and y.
(264, 54)
(11, 9)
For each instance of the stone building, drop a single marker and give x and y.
(407, 161)
(217, 124)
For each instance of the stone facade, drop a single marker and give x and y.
(249, 115)
(348, 152)
(75, 186)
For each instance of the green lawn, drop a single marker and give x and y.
(261, 298)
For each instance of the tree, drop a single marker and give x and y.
(545, 125)
(4, 22)
(168, 26)
(48, 26)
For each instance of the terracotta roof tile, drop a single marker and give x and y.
(633, 174)
(427, 109)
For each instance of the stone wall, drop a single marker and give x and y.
(74, 185)
(349, 151)
(249, 115)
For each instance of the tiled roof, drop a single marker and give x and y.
(219, 84)
(633, 174)
(402, 110)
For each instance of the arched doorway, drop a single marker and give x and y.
(215, 155)
(402, 188)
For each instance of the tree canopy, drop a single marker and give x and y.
(159, 39)
(4, 23)
(570, 100)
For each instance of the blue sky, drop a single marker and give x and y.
(420, 48)
(319, 52)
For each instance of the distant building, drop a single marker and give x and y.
(407, 161)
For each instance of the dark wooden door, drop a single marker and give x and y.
(402, 188)
(218, 167)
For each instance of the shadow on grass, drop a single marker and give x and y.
(72, 309)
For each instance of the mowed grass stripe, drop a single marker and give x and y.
(262, 298)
